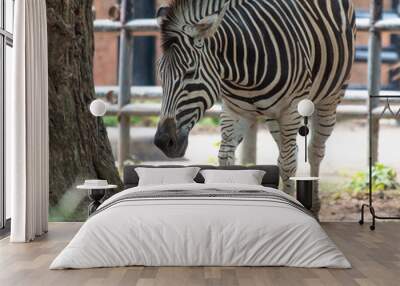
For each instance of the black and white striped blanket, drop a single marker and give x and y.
(205, 194)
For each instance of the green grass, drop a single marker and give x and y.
(383, 178)
(57, 215)
(110, 121)
(209, 121)
(151, 121)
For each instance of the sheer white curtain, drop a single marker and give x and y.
(27, 124)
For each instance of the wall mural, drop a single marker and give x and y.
(255, 61)
(260, 58)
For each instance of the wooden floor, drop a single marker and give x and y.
(375, 257)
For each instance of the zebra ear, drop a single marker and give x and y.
(207, 26)
(162, 13)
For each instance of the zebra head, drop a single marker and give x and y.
(188, 73)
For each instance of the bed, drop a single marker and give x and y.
(198, 224)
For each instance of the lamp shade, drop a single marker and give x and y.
(305, 108)
(98, 107)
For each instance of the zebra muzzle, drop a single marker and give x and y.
(171, 142)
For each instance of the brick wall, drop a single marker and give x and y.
(359, 71)
(106, 45)
(106, 49)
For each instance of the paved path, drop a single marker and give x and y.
(346, 149)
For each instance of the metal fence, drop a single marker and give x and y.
(355, 103)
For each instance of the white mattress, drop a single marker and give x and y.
(206, 231)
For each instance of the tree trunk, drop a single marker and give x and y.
(77, 151)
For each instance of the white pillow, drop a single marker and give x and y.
(166, 176)
(246, 177)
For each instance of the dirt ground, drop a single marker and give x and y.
(344, 207)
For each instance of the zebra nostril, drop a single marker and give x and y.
(170, 143)
(165, 142)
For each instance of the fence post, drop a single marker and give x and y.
(249, 146)
(124, 82)
(374, 76)
(394, 81)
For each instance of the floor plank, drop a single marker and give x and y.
(375, 257)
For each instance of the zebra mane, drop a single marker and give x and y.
(185, 12)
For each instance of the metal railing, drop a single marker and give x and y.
(354, 105)
(377, 25)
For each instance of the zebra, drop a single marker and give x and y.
(259, 58)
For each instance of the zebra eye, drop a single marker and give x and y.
(198, 42)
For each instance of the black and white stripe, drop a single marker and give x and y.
(259, 57)
(207, 194)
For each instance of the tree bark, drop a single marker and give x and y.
(77, 151)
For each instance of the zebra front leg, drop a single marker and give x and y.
(232, 132)
(289, 125)
(323, 122)
(274, 129)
